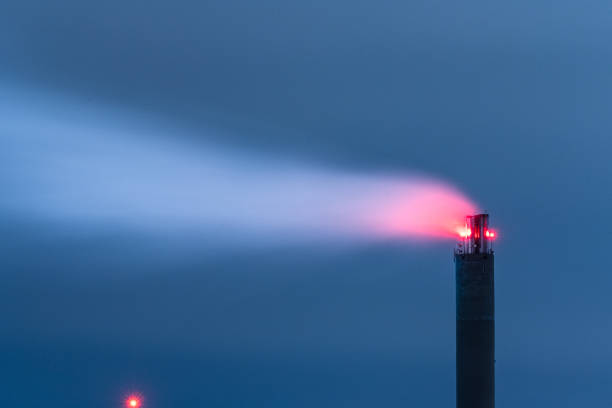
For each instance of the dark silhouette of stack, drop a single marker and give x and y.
(475, 315)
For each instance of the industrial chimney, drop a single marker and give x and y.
(475, 314)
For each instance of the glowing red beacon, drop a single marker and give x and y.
(133, 401)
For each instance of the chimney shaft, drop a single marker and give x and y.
(474, 274)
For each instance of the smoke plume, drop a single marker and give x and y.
(70, 162)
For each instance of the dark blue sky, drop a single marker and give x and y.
(510, 102)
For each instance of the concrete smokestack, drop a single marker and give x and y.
(474, 261)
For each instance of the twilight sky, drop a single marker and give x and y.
(507, 102)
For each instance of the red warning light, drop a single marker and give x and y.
(464, 233)
(133, 401)
(490, 234)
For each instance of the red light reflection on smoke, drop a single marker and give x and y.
(428, 210)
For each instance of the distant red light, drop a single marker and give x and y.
(133, 402)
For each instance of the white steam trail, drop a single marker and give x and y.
(64, 162)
